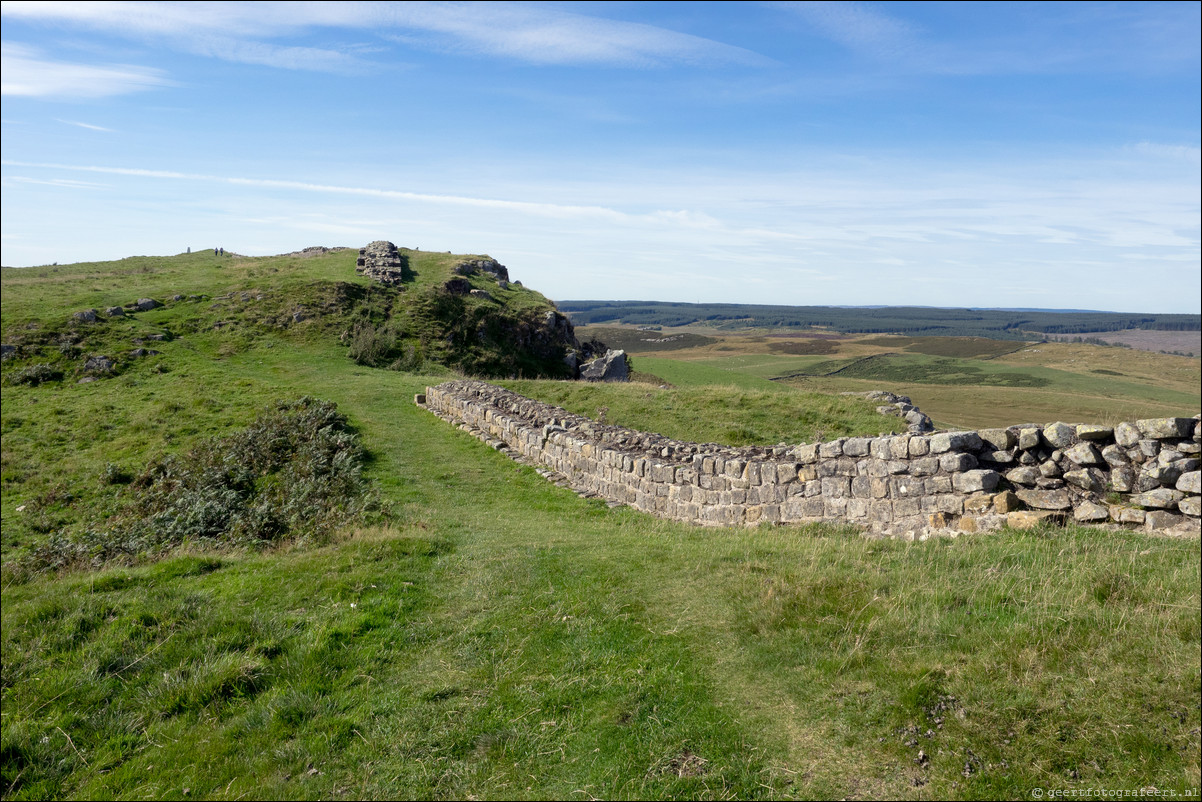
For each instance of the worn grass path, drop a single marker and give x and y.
(503, 638)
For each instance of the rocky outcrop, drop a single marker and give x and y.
(905, 485)
(381, 261)
(492, 267)
(612, 367)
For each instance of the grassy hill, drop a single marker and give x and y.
(482, 633)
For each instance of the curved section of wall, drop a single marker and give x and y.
(1144, 473)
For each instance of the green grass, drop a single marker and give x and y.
(727, 415)
(502, 637)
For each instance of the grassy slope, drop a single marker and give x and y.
(504, 638)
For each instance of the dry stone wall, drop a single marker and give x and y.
(1141, 474)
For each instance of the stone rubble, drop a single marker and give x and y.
(1143, 473)
(381, 261)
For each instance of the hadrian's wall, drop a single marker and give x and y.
(1142, 474)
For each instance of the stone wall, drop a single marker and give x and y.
(1141, 474)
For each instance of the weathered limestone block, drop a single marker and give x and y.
(1122, 479)
(1023, 476)
(905, 507)
(1161, 499)
(955, 462)
(1164, 475)
(899, 447)
(919, 446)
(1190, 482)
(1060, 435)
(1005, 502)
(1050, 470)
(1127, 515)
(1029, 438)
(924, 466)
(939, 484)
(1027, 519)
(1166, 428)
(1126, 434)
(998, 457)
(806, 453)
(1090, 512)
(880, 448)
(1090, 479)
(1115, 456)
(836, 486)
(976, 481)
(856, 446)
(1084, 454)
(832, 449)
(1087, 431)
(978, 502)
(1157, 520)
(1148, 448)
(960, 441)
(999, 439)
(1191, 506)
(1045, 499)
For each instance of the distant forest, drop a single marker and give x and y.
(997, 324)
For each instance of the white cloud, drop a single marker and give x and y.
(532, 33)
(27, 74)
(88, 126)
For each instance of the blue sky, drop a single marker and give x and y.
(944, 154)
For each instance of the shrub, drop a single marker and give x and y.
(36, 374)
(293, 474)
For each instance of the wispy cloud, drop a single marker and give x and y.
(88, 126)
(26, 73)
(530, 33)
(1186, 153)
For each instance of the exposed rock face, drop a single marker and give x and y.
(98, 364)
(471, 267)
(458, 286)
(381, 261)
(115, 311)
(146, 304)
(904, 485)
(613, 367)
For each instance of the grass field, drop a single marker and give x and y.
(961, 382)
(497, 636)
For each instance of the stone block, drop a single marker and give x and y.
(1045, 499)
(836, 486)
(899, 447)
(1166, 428)
(1162, 519)
(833, 506)
(955, 462)
(1090, 512)
(1088, 431)
(904, 507)
(1090, 479)
(999, 439)
(904, 487)
(880, 447)
(1122, 479)
(1028, 519)
(1050, 470)
(1126, 434)
(1161, 499)
(897, 467)
(1005, 502)
(978, 502)
(1127, 515)
(1001, 458)
(807, 454)
(1084, 454)
(856, 446)
(1115, 456)
(954, 441)
(857, 508)
(1191, 506)
(832, 449)
(939, 484)
(941, 520)
(786, 473)
(1190, 482)
(1059, 435)
(1023, 476)
(861, 487)
(924, 466)
(976, 481)
(1029, 438)
(919, 446)
(807, 473)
